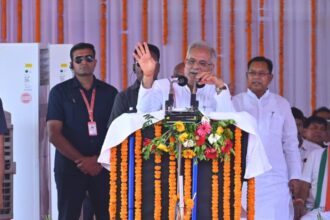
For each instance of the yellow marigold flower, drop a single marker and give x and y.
(162, 147)
(220, 130)
(183, 137)
(188, 154)
(179, 126)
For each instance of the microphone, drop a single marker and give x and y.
(182, 81)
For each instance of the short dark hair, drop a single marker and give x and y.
(315, 120)
(321, 109)
(297, 113)
(262, 59)
(82, 45)
(153, 49)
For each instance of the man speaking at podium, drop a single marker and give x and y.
(199, 66)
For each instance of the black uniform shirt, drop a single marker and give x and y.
(125, 101)
(66, 104)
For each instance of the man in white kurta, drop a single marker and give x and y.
(310, 175)
(214, 96)
(278, 133)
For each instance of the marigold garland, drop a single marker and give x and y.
(202, 2)
(187, 188)
(313, 54)
(238, 173)
(124, 59)
(251, 199)
(158, 183)
(165, 20)
(172, 187)
(215, 189)
(158, 188)
(261, 28)
(248, 29)
(4, 21)
(103, 39)
(281, 48)
(124, 180)
(232, 42)
(113, 184)
(19, 26)
(219, 32)
(60, 22)
(226, 186)
(189, 202)
(184, 28)
(37, 21)
(145, 20)
(124, 45)
(138, 176)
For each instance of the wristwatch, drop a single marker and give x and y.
(219, 90)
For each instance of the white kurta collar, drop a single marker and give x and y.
(251, 94)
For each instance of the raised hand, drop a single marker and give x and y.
(145, 60)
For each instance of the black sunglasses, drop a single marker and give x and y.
(88, 58)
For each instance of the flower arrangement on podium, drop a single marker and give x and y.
(205, 139)
(216, 144)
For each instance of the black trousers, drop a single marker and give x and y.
(71, 191)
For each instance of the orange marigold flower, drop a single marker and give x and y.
(190, 203)
(172, 139)
(188, 154)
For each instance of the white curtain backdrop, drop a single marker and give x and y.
(82, 23)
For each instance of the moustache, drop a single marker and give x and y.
(193, 72)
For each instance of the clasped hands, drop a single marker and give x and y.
(89, 165)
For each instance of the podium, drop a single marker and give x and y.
(147, 189)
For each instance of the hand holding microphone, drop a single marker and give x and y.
(211, 79)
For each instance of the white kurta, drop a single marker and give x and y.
(153, 99)
(310, 174)
(306, 148)
(278, 132)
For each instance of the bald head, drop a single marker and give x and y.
(178, 70)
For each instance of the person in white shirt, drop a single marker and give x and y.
(311, 172)
(315, 130)
(198, 69)
(305, 146)
(278, 133)
(324, 112)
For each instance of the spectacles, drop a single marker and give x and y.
(261, 74)
(202, 63)
(87, 58)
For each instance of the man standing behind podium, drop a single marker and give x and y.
(78, 110)
(125, 101)
(199, 66)
(278, 133)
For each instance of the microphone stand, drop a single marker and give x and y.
(193, 100)
(179, 212)
(188, 117)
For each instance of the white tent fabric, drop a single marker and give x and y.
(82, 23)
